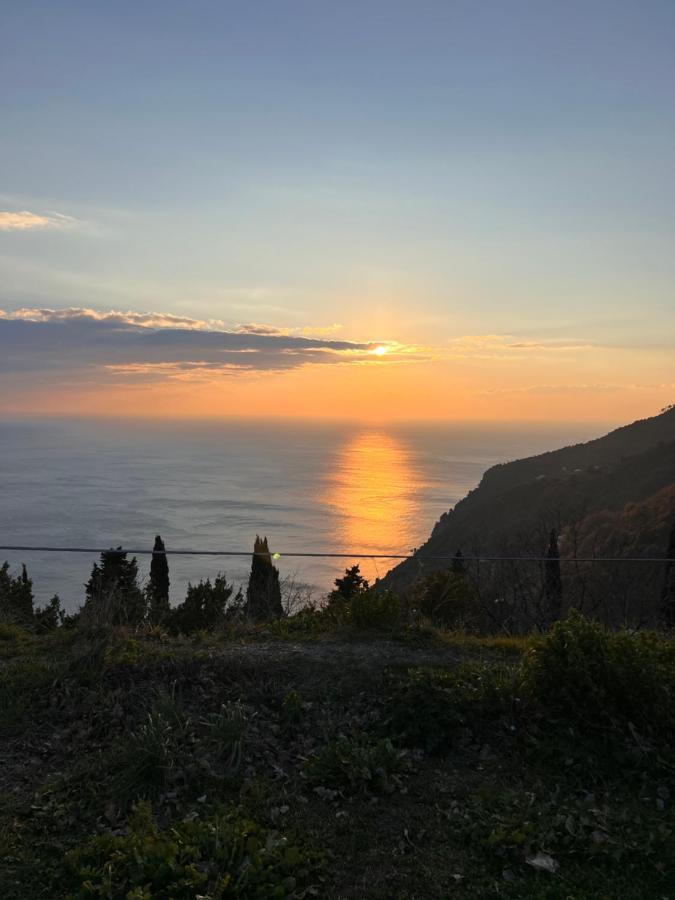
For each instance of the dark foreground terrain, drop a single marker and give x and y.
(275, 763)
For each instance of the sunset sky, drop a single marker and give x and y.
(385, 210)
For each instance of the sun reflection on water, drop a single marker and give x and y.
(371, 491)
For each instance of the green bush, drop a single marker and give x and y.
(358, 765)
(219, 857)
(594, 677)
(374, 609)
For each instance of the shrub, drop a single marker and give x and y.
(358, 765)
(219, 857)
(49, 618)
(203, 608)
(374, 609)
(594, 677)
(448, 599)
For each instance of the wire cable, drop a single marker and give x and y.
(305, 554)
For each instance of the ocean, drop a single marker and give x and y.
(214, 485)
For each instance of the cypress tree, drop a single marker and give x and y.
(263, 594)
(458, 565)
(667, 615)
(158, 585)
(552, 577)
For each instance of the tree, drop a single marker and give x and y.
(347, 587)
(263, 594)
(158, 585)
(668, 591)
(112, 592)
(16, 596)
(458, 565)
(552, 578)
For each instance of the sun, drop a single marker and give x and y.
(379, 350)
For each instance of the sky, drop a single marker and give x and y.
(379, 210)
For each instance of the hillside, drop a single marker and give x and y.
(517, 503)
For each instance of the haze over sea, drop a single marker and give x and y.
(215, 485)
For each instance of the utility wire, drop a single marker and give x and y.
(356, 555)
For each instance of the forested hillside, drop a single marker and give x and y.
(611, 496)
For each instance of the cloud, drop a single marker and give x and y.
(24, 220)
(509, 347)
(39, 344)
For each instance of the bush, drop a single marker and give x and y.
(357, 765)
(219, 857)
(49, 618)
(448, 600)
(204, 607)
(374, 609)
(595, 678)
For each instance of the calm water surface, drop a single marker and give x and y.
(322, 488)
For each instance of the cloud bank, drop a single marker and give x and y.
(75, 343)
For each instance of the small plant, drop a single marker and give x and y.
(219, 857)
(228, 728)
(353, 766)
(292, 710)
(146, 759)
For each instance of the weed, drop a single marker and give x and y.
(228, 728)
(146, 760)
(357, 765)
